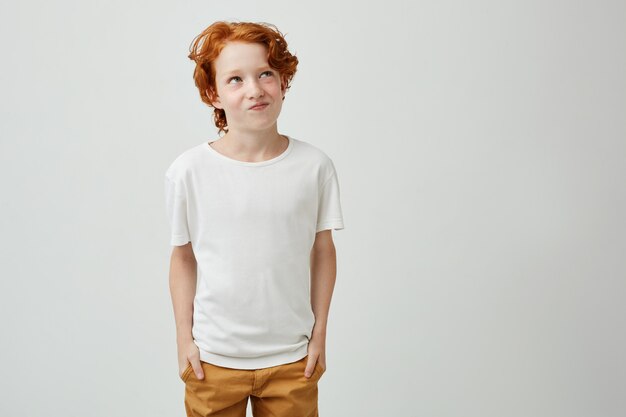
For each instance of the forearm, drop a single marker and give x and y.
(182, 279)
(323, 276)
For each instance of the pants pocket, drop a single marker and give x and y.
(318, 369)
(186, 372)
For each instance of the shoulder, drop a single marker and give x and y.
(184, 163)
(314, 155)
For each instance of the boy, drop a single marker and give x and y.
(251, 218)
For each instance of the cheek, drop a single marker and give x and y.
(232, 98)
(272, 86)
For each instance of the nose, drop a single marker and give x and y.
(255, 90)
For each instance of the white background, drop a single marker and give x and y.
(480, 148)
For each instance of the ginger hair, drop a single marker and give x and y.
(207, 46)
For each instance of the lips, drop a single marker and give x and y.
(259, 106)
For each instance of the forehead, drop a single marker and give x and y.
(241, 56)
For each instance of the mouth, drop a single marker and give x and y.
(259, 106)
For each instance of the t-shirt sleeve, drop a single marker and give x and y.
(329, 215)
(176, 207)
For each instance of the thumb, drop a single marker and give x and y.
(197, 369)
(310, 366)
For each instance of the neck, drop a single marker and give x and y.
(252, 142)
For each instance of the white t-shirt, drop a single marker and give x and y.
(252, 226)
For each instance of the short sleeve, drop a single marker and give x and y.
(329, 215)
(176, 207)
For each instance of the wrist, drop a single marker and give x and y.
(319, 331)
(184, 338)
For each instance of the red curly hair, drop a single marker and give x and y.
(206, 47)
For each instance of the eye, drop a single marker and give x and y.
(230, 80)
(267, 72)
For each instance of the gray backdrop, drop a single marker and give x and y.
(480, 148)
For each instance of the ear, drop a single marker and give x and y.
(214, 99)
(217, 104)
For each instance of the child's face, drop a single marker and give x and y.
(243, 78)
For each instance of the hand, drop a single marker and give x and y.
(317, 353)
(188, 353)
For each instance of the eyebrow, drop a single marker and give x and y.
(235, 71)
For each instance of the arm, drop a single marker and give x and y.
(323, 275)
(182, 279)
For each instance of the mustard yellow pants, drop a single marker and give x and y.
(277, 391)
